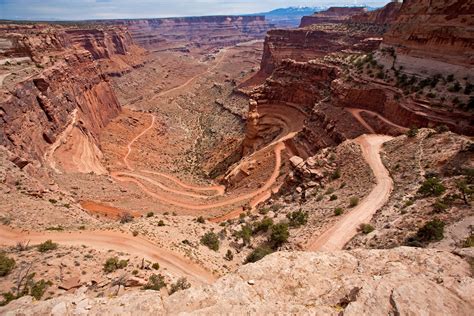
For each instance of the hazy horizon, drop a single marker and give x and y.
(124, 9)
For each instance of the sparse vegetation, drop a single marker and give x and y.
(112, 264)
(155, 282)
(366, 228)
(258, 253)
(6, 264)
(47, 246)
(229, 255)
(279, 235)
(431, 187)
(126, 218)
(150, 214)
(412, 132)
(211, 241)
(200, 220)
(354, 201)
(161, 223)
(338, 211)
(297, 218)
(245, 233)
(181, 284)
(333, 197)
(431, 231)
(262, 226)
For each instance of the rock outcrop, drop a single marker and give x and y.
(433, 37)
(383, 16)
(400, 281)
(332, 15)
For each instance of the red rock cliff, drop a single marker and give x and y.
(331, 15)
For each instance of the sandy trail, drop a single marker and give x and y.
(104, 240)
(345, 229)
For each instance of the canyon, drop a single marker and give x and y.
(193, 147)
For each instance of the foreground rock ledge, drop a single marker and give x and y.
(371, 282)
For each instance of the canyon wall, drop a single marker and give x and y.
(60, 98)
(386, 15)
(332, 15)
(156, 34)
(433, 36)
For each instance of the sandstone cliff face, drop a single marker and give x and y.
(305, 44)
(400, 281)
(386, 15)
(434, 36)
(331, 15)
(202, 31)
(66, 95)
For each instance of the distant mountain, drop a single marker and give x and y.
(291, 16)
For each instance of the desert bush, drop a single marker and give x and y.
(161, 223)
(297, 218)
(47, 246)
(38, 288)
(155, 266)
(200, 220)
(112, 264)
(6, 264)
(150, 214)
(338, 211)
(439, 206)
(333, 197)
(135, 233)
(431, 231)
(412, 132)
(354, 201)
(155, 282)
(229, 256)
(181, 284)
(279, 235)
(366, 228)
(245, 233)
(431, 187)
(263, 225)
(258, 253)
(336, 174)
(126, 218)
(211, 241)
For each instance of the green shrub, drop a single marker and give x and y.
(333, 197)
(181, 284)
(161, 223)
(210, 240)
(245, 233)
(469, 242)
(112, 264)
(412, 132)
(155, 282)
(336, 174)
(6, 264)
(258, 253)
(200, 220)
(354, 201)
(431, 231)
(263, 225)
(431, 187)
(366, 228)
(47, 246)
(155, 266)
(338, 211)
(439, 206)
(38, 288)
(229, 256)
(279, 235)
(297, 218)
(150, 214)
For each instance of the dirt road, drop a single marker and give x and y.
(105, 240)
(342, 232)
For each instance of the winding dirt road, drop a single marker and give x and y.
(336, 237)
(104, 240)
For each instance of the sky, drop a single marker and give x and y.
(112, 9)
